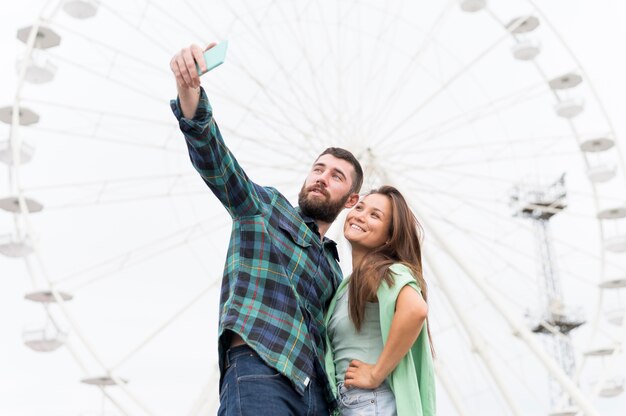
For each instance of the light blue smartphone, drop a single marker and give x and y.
(214, 57)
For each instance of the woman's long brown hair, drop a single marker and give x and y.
(404, 246)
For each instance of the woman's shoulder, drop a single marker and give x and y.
(401, 275)
(401, 269)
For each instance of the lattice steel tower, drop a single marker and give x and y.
(540, 205)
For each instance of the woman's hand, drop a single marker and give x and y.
(362, 375)
(407, 322)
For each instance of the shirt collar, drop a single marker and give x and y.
(327, 242)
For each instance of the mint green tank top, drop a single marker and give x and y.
(348, 344)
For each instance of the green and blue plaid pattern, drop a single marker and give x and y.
(279, 276)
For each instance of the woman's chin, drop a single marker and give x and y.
(349, 237)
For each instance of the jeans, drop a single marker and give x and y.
(354, 401)
(251, 387)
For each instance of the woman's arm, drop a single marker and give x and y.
(408, 321)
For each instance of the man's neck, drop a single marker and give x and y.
(322, 227)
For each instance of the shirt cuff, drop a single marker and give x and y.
(200, 120)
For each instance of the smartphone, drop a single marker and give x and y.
(214, 57)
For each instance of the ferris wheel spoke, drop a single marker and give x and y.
(266, 119)
(476, 343)
(264, 43)
(446, 171)
(272, 167)
(407, 73)
(385, 136)
(98, 200)
(145, 65)
(333, 54)
(278, 148)
(520, 158)
(506, 266)
(376, 69)
(203, 405)
(168, 322)
(95, 193)
(282, 122)
(133, 25)
(111, 184)
(133, 142)
(440, 130)
(486, 210)
(103, 112)
(484, 178)
(339, 118)
(509, 251)
(180, 25)
(485, 143)
(316, 104)
(140, 254)
(321, 93)
(278, 100)
(202, 16)
(141, 92)
(507, 363)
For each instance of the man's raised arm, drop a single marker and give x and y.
(209, 154)
(183, 65)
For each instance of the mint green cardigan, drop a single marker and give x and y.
(413, 380)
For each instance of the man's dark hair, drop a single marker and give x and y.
(339, 153)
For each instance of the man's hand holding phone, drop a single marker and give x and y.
(188, 64)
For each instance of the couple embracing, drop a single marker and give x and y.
(295, 338)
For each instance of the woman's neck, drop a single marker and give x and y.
(357, 256)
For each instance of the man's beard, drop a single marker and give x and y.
(321, 209)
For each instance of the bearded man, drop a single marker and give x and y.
(281, 271)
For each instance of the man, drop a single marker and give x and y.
(280, 273)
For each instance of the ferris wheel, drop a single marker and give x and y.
(478, 111)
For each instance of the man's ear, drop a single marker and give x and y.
(352, 200)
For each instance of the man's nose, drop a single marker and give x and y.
(322, 179)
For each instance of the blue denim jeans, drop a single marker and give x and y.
(354, 401)
(252, 388)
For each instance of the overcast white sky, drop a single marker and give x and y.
(594, 29)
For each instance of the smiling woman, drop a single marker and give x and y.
(473, 109)
(367, 225)
(379, 353)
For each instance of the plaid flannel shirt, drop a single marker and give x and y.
(279, 275)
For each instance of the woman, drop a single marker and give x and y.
(378, 345)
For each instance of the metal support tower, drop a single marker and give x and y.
(540, 205)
